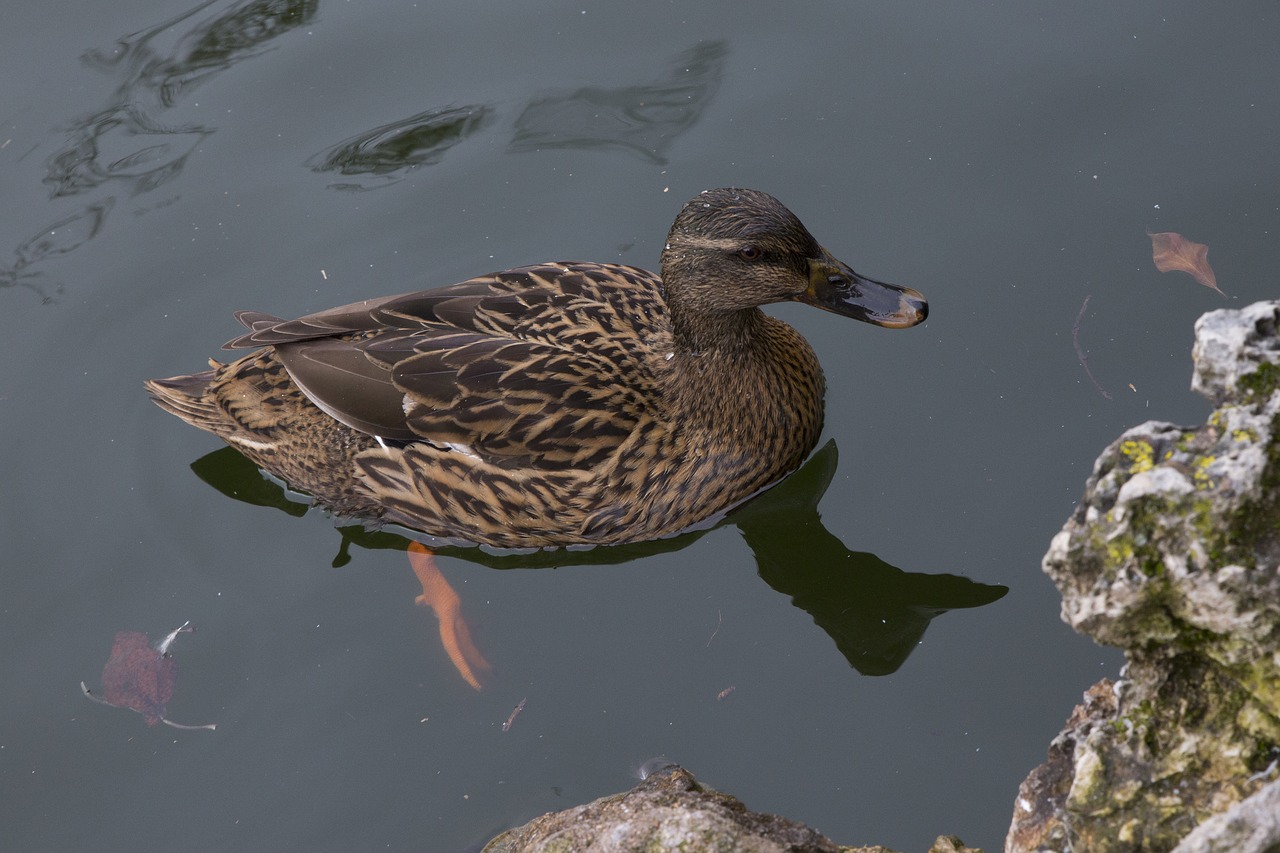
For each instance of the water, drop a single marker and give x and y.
(164, 164)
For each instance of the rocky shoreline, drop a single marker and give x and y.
(1173, 556)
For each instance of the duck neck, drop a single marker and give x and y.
(702, 331)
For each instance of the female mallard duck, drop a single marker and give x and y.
(556, 404)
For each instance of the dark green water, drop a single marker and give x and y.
(164, 164)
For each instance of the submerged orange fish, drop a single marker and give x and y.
(441, 598)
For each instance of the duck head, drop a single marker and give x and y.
(736, 249)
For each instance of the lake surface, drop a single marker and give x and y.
(165, 163)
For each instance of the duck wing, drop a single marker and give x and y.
(547, 366)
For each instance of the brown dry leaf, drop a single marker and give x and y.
(1171, 251)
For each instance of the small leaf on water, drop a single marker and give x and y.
(1173, 252)
(139, 676)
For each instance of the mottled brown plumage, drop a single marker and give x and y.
(554, 404)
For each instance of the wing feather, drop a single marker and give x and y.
(543, 366)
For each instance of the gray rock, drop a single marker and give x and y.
(671, 811)
(1251, 826)
(1173, 555)
(1230, 347)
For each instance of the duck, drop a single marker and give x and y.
(552, 405)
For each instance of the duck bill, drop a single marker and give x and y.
(835, 287)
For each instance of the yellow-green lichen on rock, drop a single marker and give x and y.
(1173, 555)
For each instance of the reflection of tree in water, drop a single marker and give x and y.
(388, 151)
(129, 144)
(134, 145)
(60, 238)
(242, 32)
(121, 145)
(644, 119)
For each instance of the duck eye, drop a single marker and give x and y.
(750, 253)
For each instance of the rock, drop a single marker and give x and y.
(672, 811)
(1173, 555)
(1251, 826)
(951, 844)
(1231, 348)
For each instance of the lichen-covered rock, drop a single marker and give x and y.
(1251, 826)
(1237, 353)
(1040, 820)
(672, 811)
(1173, 555)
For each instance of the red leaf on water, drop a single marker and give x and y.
(1173, 252)
(139, 676)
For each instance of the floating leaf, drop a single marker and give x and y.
(1173, 252)
(139, 676)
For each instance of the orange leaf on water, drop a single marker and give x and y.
(1173, 252)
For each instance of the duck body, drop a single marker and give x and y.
(558, 404)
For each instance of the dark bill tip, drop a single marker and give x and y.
(833, 286)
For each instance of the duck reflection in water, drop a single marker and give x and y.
(874, 612)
